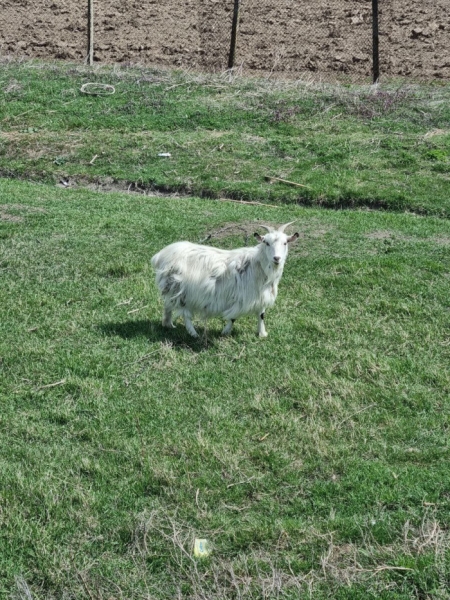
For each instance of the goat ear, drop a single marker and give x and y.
(292, 238)
(260, 238)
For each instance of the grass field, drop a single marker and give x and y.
(315, 462)
(384, 147)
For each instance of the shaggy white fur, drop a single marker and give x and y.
(210, 282)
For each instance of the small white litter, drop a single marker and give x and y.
(201, 548)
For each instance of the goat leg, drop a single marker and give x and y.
(189, 326)
(261, 327)
(167, 318)
(228, 327)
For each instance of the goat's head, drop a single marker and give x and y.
(276, 244)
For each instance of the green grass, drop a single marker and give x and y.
(380, 147)
(315, 462)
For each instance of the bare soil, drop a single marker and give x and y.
(322, 37)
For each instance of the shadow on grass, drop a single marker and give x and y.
(154, 331)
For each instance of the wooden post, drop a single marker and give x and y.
(234, 28)
(90, 52)
(375, 43)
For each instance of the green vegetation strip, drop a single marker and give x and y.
(315, 462)
(381, 146)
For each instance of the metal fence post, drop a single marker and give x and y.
(90, 52)
(234, 28)
(375, 43)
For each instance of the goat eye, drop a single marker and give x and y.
(267, 243)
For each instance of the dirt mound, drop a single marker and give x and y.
(290, 36)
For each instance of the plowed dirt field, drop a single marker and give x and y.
(325, 37)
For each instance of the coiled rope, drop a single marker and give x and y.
(97, 89)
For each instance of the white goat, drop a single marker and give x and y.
(212, 282)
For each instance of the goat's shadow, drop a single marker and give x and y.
(154, 331)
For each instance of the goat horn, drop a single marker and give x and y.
(283, 227)
(269, 229)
